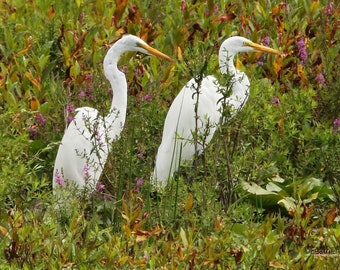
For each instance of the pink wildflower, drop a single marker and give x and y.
(329, 9)
(34, 132)
(59, 180)
(302, 50)
(276, 101)
(81, 17)
(124, 69)
(70, 111)
(320, 79)
(182, 5)
(86, 169)
(336, 125)
(266, 41)
(89, 93)
(139, 181)
(100, 186)
(147, 97)
(88, 76)
(215, 9)
(40, 119)
(81, 94)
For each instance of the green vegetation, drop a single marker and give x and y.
(264, 195)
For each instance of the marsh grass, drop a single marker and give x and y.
(204, 218)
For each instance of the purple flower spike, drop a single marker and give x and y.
(86, 172)
(140, 153)
(215, 9)
(41, 119)
(59, 179)
(88, 76)
(139, 181)
(336, 122)
(336, 125)
(302, 50)
(100, 186)
(147, 97)
(266, 41)
(276, 101)
(81, 94)
(69, 111)
(34, 133)
(320, 79)
(329, 9)
(182, 5)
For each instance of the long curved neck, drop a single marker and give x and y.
(115, 120)
(226, 62)
(239, 82)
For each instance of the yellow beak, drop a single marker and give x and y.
(155, 52)
(261, 48)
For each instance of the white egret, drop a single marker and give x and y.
(197, 110)
(87, 140)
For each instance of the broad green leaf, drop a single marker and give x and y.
(288, 203)
(272, 187)
(260, 195)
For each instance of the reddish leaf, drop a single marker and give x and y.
(225, 18)
(134, 15)
(244, 20)
(118, 13)
(33, 80)
(307, 211)
(277, 64)
(275, 10)
(4, 231)
(218, 223)
(301, 73)
(141, 238)
(330, 216)
(276, 265)
(51, 12)
(29, 42)
(33, 104)
(237, 253)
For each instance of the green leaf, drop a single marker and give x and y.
(184, 238)
(75, 70)
(259, 194)
(288, 203)
(311, 198)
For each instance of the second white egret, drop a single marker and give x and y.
(197, 109)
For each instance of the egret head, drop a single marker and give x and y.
(133, 43)
(236, 44)
(233, 45)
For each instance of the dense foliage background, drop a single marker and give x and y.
(265, 194)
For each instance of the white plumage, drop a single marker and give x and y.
(183, 125)
(87, 140)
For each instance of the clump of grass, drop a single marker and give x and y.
(204, 218)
